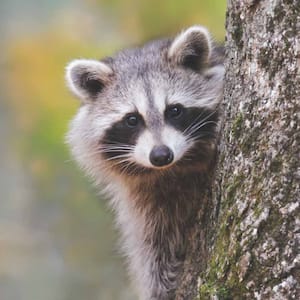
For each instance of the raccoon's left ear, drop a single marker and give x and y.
(191, 48)
(86, 78)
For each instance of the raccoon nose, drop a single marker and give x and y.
(161, 156)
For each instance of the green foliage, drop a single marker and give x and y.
(148, 19)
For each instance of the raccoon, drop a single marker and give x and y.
(146, 132)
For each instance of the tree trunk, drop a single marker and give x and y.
(249, 248)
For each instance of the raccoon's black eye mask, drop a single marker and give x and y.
(192, 121)
(174, 112)
(125, 131)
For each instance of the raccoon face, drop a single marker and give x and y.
(147, 109)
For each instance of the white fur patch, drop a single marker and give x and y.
(160, 99)
(143, 147)
(170, 137)
(139, 98)
(176, 141)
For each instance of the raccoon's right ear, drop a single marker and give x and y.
(86, 78)
(191, 48)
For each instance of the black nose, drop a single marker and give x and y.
(161, 156)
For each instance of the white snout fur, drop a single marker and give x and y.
(170, 137)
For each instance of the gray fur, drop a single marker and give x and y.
(154, 206)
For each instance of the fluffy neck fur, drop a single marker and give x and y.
(154, 220)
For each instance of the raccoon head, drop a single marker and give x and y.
(149, 109)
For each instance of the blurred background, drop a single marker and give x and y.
(57, 239)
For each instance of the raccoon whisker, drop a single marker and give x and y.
(195, 123)
(98, 152)
(199, 126)
(116, 148)
(120, 148)
(203, 134)
(126, 159)
(203, 120)
(113, 144)
(117, 145)
(126, 166)
(126, 155)
(126, 163)
(137, 169)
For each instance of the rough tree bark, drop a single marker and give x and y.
(247, 247)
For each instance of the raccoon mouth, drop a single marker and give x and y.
(137, 169)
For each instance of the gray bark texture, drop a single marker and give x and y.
(246, 245)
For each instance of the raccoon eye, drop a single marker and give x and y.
(174, 111)
(132, 121)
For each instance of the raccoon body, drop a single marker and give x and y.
(146, 132)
